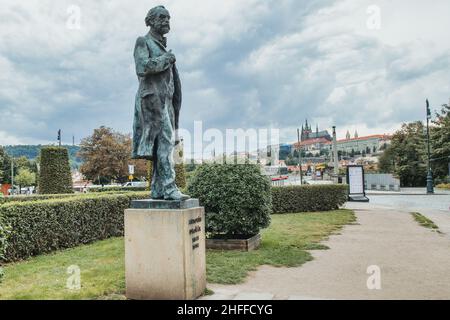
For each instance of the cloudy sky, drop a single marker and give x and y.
(360, 65)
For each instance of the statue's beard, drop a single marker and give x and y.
(162, 30)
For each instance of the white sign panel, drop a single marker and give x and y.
(356, 180)
(130, 169)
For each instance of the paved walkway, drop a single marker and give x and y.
(414, 263)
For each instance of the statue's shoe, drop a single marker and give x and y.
(176, 195)
(156, 196)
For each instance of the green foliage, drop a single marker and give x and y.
(236, 198)
(25, 177)
(35, 197)
(406, 157)
(440, 141)
(4, 235)
(2, 156)
(180, 176)
(31, 152)
(308, 198)
(55, 177)
(117, 189)
(5, 166)
(424, 221)
(106, 155)
(44, 226)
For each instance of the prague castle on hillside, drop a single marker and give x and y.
(308, 134)
(320, 142)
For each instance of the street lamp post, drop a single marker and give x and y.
(335, 156)
(430, 184)
(299, 157)
(12, 176)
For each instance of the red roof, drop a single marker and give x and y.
(312, 141)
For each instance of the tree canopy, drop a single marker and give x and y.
(106, 155)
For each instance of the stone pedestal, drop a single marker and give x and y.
(165, 250)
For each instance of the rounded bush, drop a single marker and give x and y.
(237, 198)
(55, 177)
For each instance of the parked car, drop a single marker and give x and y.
(136, 184)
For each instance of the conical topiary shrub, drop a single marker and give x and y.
(54, 176)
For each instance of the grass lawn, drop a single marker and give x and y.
(102, 264)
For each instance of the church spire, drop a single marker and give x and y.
(356, 134)
(347, 136)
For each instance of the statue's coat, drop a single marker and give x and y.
(157, 81)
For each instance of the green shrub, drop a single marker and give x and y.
(43, 226)
(36, 197)
(55, 177)
(236, 198)
(4, 234)
(180, 176)
(308, 198)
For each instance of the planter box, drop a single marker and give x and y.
(243, 244)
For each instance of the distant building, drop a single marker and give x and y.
(307, 133)
(314, 146)
(368, 144)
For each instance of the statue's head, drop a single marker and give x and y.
(158, 18)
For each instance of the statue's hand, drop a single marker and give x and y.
(170, 57)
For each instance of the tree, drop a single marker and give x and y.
(5, 166)
(2, 155)
(406, 156)
(106, 155)
(55, 176)
(440, 141)
(25, 178)
(386, 162)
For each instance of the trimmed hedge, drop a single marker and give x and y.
(55, 176)
(39, 227)
(4, 234)
(237, 198)
(116, 189)
(308, 198)
(36, 197)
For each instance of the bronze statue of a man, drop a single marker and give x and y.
(157, 107)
